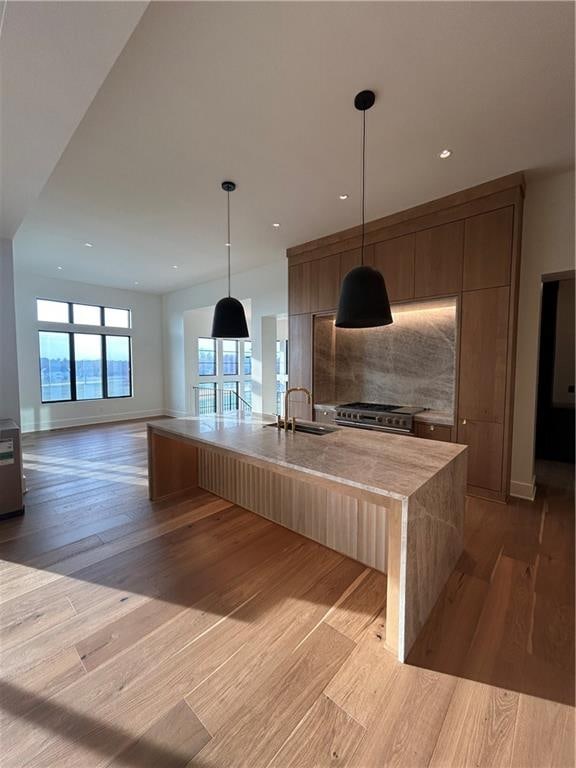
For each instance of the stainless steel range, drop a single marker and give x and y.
(387, 418)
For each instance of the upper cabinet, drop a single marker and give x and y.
(325, 283)
(488, 249)
(438, 260)
(395, 259)
(299, 288)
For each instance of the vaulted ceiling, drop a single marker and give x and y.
(262, 93)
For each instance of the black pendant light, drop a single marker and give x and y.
(229, 320)
(363, 297)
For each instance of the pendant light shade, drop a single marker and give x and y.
(229, 321)
(363, 300)
(363, 297)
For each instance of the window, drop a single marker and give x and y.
(207, 357)
(116, 318)
(229, 396)
(229, 357)
(76, 365)
(53, 311)
(83, 314)
(247, 358)
(55, 375)
(118, 366)
(224, 370)
(48, 311)
(88, 362)
(206, 398)
(281, 374)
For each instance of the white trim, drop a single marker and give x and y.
(176, 414)
(523, 490)
(87, 420)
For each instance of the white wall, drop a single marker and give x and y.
(9, 398)
(147, 360)
(267, 290)
(547, 247)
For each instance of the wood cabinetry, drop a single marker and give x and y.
(465, 245)
(300, 363)
(488, 249)
(299, 288)
(325, 283)
(485, 454)
(438, 260)
(483, 354)
(433, 431)
(395, 259)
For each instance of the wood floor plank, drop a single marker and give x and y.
(361, 607)
(478, 729)
(326, 737)
(195, 617)
(544, 734)
(366, 676)
(28, 624)
(445, 639)
(39, 683)
(255, 733)
(404, 727)
(171, 742)
(237, 681)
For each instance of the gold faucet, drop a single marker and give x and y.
(286, 401)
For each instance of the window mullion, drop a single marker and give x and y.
(72, 365)
(104, 366)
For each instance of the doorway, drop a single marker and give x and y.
(555, 430)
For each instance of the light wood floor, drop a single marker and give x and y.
(196, 633)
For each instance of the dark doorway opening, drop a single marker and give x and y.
(555, 430)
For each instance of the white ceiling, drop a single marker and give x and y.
(53, 59)
(262, 93)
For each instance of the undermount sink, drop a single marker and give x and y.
(309, 429)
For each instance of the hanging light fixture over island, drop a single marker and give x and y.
(363, 297)
(229, 320)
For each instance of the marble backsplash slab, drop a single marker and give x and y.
(411, 362)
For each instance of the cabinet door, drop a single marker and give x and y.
(485, 447)
(438, 260)
(348, 260)
(395, 259)
(300, 363)
(325, 283)
(488, 249)
(299, 300)
(483, 355)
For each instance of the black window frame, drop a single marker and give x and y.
(70, 321)
(72, 357)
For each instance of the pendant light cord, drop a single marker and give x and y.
(228, 241)
(363, 181)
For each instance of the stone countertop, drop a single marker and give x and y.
(377, 462)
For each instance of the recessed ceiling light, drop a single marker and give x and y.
(174, 266)
(59, 267)
(136, 282)
(445, 154)
(343, 197)
(275, 225)
(89, 245)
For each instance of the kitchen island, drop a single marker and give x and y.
(395, 503)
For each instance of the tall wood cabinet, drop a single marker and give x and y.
(465, 245)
